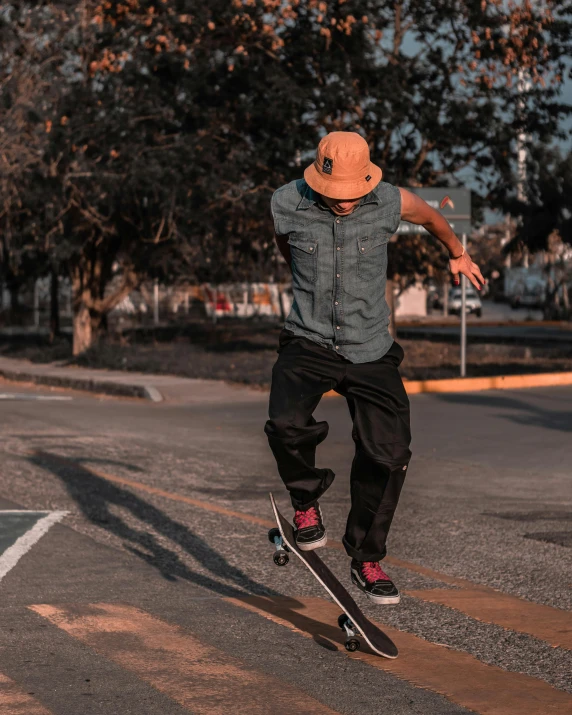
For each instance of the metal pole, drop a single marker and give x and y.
(156, 302)
(464, 317)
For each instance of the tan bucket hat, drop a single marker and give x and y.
(342, 169)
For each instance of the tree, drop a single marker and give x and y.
(545, 205)
(170, 122)
(20, 153)
(252, 84)
(542, 206)
(103, 198)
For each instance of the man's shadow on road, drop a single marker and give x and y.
(95, 495)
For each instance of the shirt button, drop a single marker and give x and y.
(362, 250)
(337, 348)
(337, 327)
(337, 220)
(337, 248)
(336, 302)
(337, 275)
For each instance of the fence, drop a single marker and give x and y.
(150, 304)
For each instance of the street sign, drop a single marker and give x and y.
(454, 204)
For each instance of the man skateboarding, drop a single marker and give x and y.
(332, 227)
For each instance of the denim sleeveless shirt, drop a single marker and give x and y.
(339, 268)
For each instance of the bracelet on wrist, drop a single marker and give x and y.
(454, 258)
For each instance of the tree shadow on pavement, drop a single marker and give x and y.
(528, 414)
(96, 496)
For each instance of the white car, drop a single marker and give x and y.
(473, 302)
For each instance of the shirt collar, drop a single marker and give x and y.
(371, 198)
(309, 198)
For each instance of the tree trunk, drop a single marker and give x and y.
(54, 306)
(14, 313)
(82, 333)
(91, 305)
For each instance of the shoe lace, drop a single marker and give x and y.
(310, 517)
(372, 572)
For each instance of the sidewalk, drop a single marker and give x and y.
(155, 388)
(170, 388)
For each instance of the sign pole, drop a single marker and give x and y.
(464, 317)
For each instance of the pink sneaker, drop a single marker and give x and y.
(310, 530)
(370, 578)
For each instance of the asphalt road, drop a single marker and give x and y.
(156, 592)
(531, 335)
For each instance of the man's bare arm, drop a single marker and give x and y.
(417, 211)
(284, 248)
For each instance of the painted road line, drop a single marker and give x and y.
(10, 557)
(27, 396)
(458, 676)
(490, 606)
(15, 701)
(483, 604)
(194, 674)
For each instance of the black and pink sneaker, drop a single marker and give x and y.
(310, 531)
(370, 578)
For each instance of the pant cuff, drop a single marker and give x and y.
(310, 501)
(360, 555)
(305, 505)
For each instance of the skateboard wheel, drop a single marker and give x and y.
(352, 644)
(272, 534)
(281, 558)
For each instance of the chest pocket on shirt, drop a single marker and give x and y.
(304, 259)
(372, 256)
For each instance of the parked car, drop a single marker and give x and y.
(473, 302)
(532, 296)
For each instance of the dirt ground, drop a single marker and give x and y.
(245, 352)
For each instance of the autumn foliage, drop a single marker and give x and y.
(166, 124)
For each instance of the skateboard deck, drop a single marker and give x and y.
(352, 621)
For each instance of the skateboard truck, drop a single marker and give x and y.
(280, 557)
(352, 641)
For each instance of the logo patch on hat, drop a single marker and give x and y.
(368, 178)
(327, 165)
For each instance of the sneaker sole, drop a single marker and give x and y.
(379, 600)
(313, 544)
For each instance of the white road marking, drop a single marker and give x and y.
(22, 545)
(27, 396)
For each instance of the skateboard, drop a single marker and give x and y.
(352, 620)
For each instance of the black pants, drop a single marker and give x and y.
(379, 408)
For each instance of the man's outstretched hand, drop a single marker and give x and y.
(468, 268)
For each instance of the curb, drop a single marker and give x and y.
(117, 389)
(412, 387)
(474, 384)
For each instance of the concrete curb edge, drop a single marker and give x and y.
(117, 389)
(474, 384)
(413, 387)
